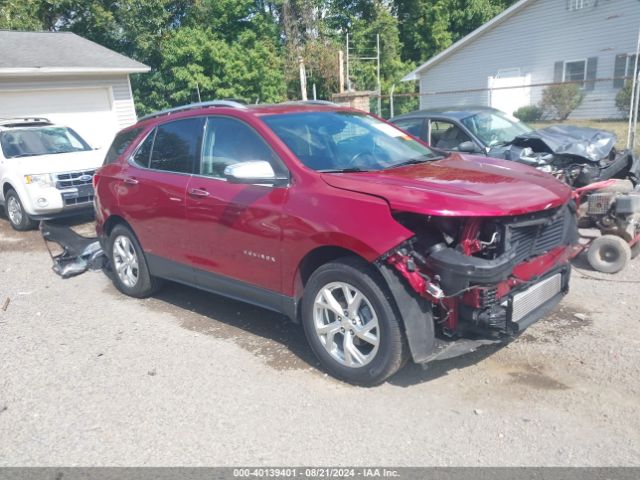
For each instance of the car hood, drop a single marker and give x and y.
(588, 143)
(459, 185)
(59, 163)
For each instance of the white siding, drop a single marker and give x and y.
(533, 39)
(122, 98)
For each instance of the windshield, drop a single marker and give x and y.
(34, 141)
(494, 128)
(346, 141)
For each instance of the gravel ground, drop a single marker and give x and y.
(91, 377)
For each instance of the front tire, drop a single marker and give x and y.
(130, 271)
(350, 323)
(18, 218)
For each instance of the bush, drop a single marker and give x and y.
(623, 100)
(558, 101)
(528, 114)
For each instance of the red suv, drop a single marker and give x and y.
(382, 248)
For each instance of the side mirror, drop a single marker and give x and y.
(254, 172)
(467, 147)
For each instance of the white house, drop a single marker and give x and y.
(68, 79)
(536, 42)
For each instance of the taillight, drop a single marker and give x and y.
(95, 180)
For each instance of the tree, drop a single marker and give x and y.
(429, 26)
(558, 101)
(197, 60)
(623, 99)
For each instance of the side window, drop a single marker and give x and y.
(229, 141)
(411, 125)
(177, 145)
(143, 154)
(120, 144)
(446, 135)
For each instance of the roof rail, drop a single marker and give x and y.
(8, 122)
(193, 106)
(312, 102)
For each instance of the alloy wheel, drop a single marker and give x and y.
(346, 324)
(125, 261)
(14, 210)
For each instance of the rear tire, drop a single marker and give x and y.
(350, 323)
(130, 271)
(609, 254)
(18, 218)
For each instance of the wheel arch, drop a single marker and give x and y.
(6, 186)
(313, 260)
(111, 222)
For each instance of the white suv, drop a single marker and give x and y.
(46, 171)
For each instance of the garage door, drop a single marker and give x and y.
(88, 111)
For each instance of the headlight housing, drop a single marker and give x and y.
(44, 180)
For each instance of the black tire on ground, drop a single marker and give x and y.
(609, 254)
(392, 351)
(145, 284)
(25, 222)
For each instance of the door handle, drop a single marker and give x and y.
(198, 192)
(131, 181)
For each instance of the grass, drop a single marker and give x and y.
(619, 127)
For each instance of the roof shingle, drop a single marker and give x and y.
(59, 51)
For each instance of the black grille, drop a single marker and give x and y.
(78, 200)
(73, 179)
(530, 240)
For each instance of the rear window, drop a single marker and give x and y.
(177, 145)
(120, 144)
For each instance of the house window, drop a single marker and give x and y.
(623, 69)
(631, 63)
(575, 71)
(577, 4)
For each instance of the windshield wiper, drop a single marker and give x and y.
(415, 161)
(344, 170)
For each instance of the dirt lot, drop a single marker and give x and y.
(90, 377)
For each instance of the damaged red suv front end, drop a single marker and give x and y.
(489, 254)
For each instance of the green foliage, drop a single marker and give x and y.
(623, 99)
(249, 49)
(529, 113)
(429, 26)
(558, 101)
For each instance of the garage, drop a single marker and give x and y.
(69, 80)
(88, 111)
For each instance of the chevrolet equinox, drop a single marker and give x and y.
(382, 248)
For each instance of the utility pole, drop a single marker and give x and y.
(635, 96)
(348, 79)
(378, 74)
(303, 79)
(341, 71)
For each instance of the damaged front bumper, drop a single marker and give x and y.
(453, 302)
(78, 254)
(623, 165)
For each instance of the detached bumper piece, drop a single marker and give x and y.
(79, 253)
